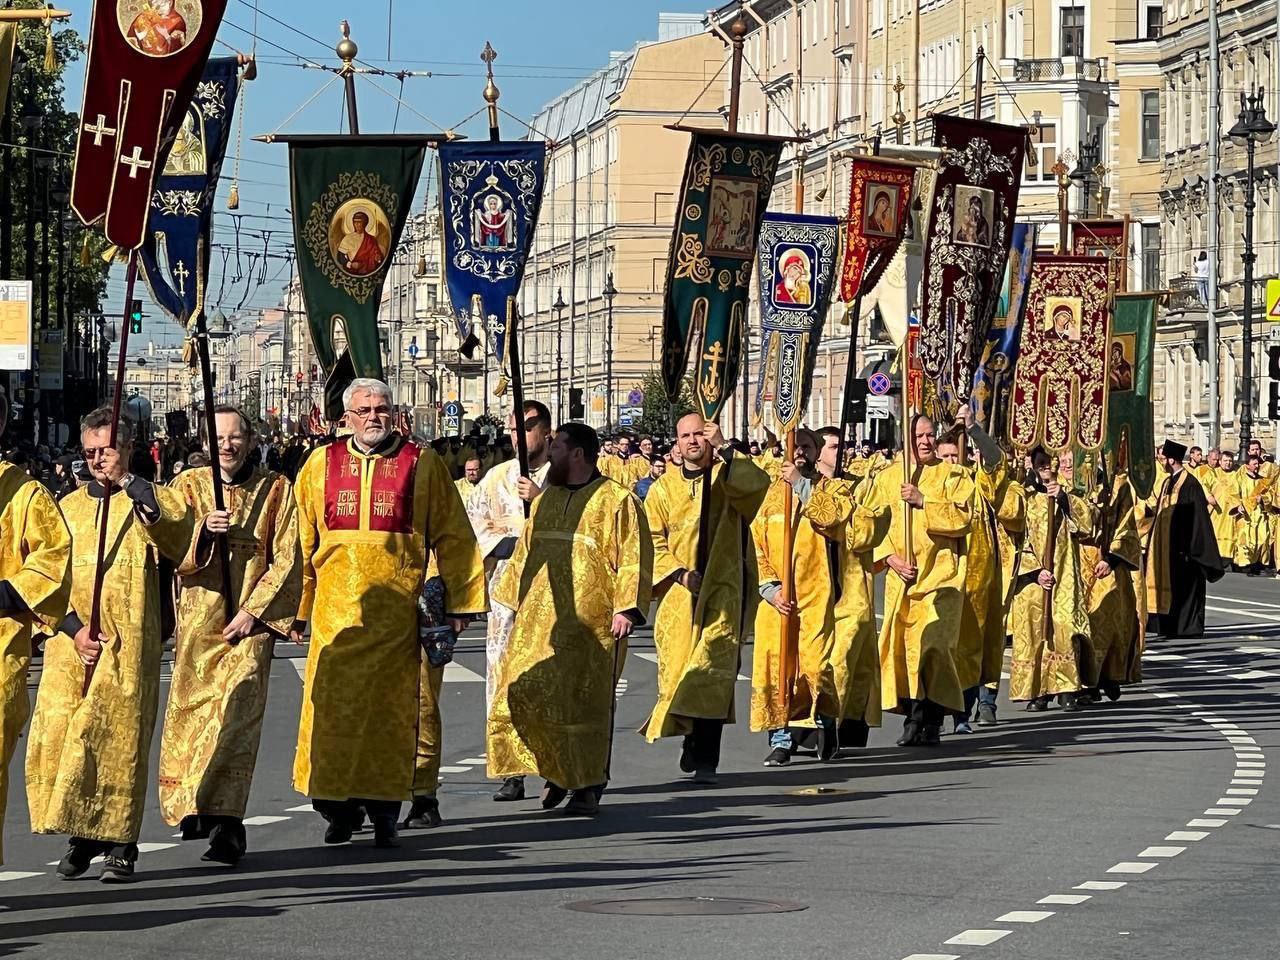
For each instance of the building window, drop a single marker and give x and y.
(1150, 124)
(1152, 21)
(1071, 31)
(1044, 154)
(1151, 257)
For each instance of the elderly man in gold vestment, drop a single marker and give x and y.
(1222, 493)
(705, 577)
(924, 586)
(1049, 645)
(88, 753)
(35, 586)
(369, 512)
(213, 717)
(1253, 531)
(497, 512)
(579, 581)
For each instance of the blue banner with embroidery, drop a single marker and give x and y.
(491, 194)
(993, 378)
(796, 271)
(175, 250)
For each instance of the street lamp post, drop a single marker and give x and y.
(1086, 169)
(559, 307)
(1251, 128)
(610, 291)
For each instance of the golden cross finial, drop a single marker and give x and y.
(487, 56)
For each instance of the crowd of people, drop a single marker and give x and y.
(377, 550)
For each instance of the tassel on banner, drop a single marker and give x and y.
(50, 56)
(86, 256)
(233, 197)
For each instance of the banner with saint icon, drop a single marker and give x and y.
(1060, 382)
(727, 183)
(175, 252)
(491, 196)
(970, 226)
(146, 58)
(796, 270)
(993, 379)
(879, 210)
(1104, 238)
(350, 198)
(1130, 412)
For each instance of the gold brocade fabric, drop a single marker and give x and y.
(87, 755)
(921, 620)
(1221, 485)
(426, 767)
(1048, 665)
(813, 691)
(699, 642)
(1253, 530)
(837, 512)
(213, 715)
(465, 488)
(357, 736)
(35, 560)
(1117, 621)
(584, 556)
(980, 650)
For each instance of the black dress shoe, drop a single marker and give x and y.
(76, 860)
(119, 865)
(686, 756)
(828, 742)
(1038, 705)
(338, 831)
(778, 757)
(424, 814)
(930, 735)
(553, 796)
(852, 734)
(583, 803)
(910, 735)
(1069, 702)
(384, 833)
(512, 789)
(1112, 690)
(224, 845)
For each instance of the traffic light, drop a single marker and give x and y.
(135, 316)
(1273, 401)
(576, 409)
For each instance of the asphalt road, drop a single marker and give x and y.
(1142, 829)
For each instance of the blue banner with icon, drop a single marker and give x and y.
(993, 378)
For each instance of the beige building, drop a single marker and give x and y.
(609, 210)
(160, 376)
(843, 72)
(1165, 81)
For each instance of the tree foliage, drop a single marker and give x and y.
(658, 415)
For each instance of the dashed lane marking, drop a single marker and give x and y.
(932, 956)
(20, 874)
(1162, 852)
(1205, 822)
(1131, 866)
(301, 808)
(1064, 899)
(1025, 916)
(1100, 885)
(263, 821)
(456, 769)
(1188, 835)
(978, 938)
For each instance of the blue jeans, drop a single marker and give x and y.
(781, 737)
(987, 695)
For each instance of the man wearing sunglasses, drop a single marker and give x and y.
(497, 511)
(370, 513)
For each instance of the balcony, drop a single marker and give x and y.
(1183, 304)
(1067, 68)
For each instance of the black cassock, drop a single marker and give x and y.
(1182, 556)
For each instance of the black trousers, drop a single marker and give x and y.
(924, 713)
(704, 742)
(349, 810)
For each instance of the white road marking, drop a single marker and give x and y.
(1253, 613)
(263, 821)
(457, 673)
(978, 938)
(1162, 657)
(20, 874)
(1187, 835)
(1234, 801)
(299, 664)
(1131, 866)
(1242, 791)
(1247, 781)
(933, 956)
(1065, 899)
(1251, 763)
(472, 760)
(1162, 695)
(653, 658)
(1100, 885)
(455, 769)
(301, 808)
(1259, 651)
(1203, 822)
(1221, 812)
(1253, 675)
(1253, 603)
(1025, 916)
(1162, 851)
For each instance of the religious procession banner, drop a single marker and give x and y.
(1104, 238)
(1060, 381)
(797, 264)
(726, 188)
(993, 380)
(8, 41)
(350, 196)
(146, 58)
(491, 194)
(879, 210)
(1130, 412)
(967, 247)
(175, 253)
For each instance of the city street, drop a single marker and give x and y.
(1138, 829)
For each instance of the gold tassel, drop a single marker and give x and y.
(109, 254)
(233, 197)
(50, 58)
(85, 258)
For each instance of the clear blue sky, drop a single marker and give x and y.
(543, 49)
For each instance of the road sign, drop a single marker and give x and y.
(15, 325)
(627, 416)
(1273, 300)
(879, 383)
(635, 396)
(451, 419)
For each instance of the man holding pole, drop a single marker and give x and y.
(705, 589)
(579, 581)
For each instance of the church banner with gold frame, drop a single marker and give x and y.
(175, 253)
(796, 267)
(351, 196)
(975, 201)
(1130, 412)
(879, 207)
(1104, 238)
(993, 380)
(727, 183)
(1060, 381)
